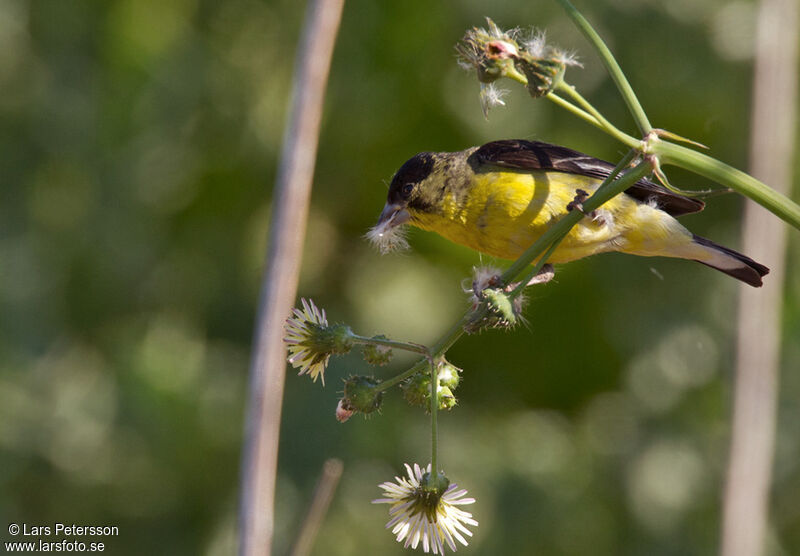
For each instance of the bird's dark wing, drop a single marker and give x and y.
(535, 155)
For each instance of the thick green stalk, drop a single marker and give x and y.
(704, 165)
(612, 66)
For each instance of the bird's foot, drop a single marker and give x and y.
(544, 276)
(577, 203)
(484, 281)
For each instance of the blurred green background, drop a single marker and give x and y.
(138, 148)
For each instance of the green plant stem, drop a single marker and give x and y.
(535, 269)
(445, 342)
(434, 412)
(694, 161)
(388, 383)
(612, 66)
(567, 105)
(711, 168)
(607, 126)
(406, 346)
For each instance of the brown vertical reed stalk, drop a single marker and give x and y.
(279, 282)
(745, 511)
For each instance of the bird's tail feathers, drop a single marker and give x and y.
(730, 262)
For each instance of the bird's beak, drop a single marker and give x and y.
(392, 215)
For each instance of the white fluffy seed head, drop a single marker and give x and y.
(536, 43)
(567, 58)
(483, 276)
(387, 238)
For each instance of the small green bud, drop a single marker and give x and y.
(376, 354)
(501, 305)
(449, 376)
(417, 391)
(503, 310)
(361, 394)
(434, 482)
(335, 339)
(446, 398)
(543, 74)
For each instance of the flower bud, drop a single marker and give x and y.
(417, 391)
(344, 411)
(446, 398)
(449, 376)
(376, 354)
(361, 394)
(335, 339)
(502, 310)
(434, 483)
(543, 74)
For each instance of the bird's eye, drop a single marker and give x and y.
(407, 189)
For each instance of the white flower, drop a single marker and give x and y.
(418, 514)
(299, 338)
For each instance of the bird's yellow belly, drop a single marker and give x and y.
(505, 212)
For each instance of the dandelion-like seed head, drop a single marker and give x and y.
(387, 237)
(491, 52)
(427, 513)
(567, 58)
(536, 43)
(495, 53)
(311, 340)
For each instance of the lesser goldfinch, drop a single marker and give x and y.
(500, 197)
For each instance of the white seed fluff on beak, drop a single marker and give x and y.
(387, 237)
(389, 234)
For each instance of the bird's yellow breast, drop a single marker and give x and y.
(501, 213)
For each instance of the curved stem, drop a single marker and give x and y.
(567, 105)
(612, 66)
(604, 124)
(445, 342)
(711, 168)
